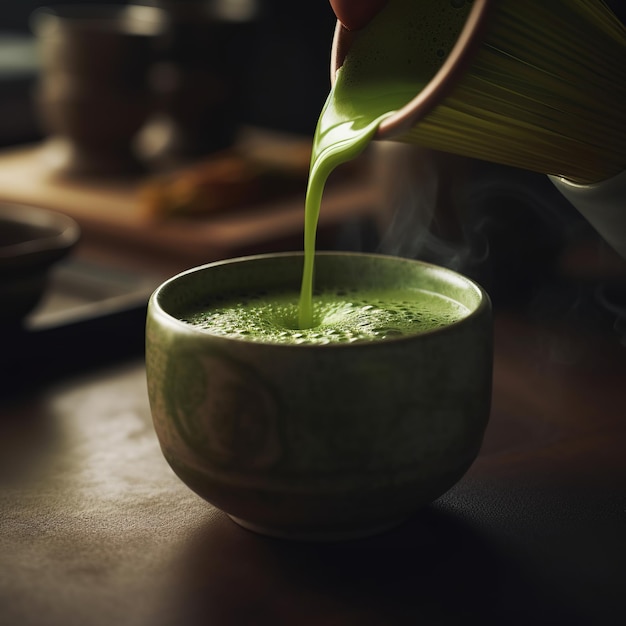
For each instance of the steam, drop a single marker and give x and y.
(504, 227)
(413, 187)
(613, 300)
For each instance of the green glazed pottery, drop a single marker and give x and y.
(318, 442)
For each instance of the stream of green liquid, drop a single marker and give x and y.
(347, 123)
(390, 62)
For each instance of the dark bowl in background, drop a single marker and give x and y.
(32, 241)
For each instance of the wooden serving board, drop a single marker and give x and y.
(110, 210)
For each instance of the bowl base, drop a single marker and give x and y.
(322, 535)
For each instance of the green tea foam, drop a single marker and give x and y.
(338, 316)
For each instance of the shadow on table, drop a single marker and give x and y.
(435, 569)
(30, 359)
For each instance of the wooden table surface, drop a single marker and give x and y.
(95, 529)
(111, 214)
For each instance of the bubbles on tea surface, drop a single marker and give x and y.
(340, 316)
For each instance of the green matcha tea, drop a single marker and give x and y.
(343, 131)
(392, 62)
(349, 119)
(362, 97)
(338, 316)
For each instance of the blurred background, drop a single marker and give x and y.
(178, 132)
(287, 66)
(173, 133)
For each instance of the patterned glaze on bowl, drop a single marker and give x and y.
(318, 442)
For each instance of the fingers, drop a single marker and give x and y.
(355, 14)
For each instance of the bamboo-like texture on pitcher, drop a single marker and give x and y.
(545, 92)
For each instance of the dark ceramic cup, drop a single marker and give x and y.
(94, 95)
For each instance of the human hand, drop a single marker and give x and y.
(355, 14)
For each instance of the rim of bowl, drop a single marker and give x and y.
(484, 303)
(64, 231)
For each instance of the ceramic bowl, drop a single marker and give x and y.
(32, 240)
(318, 442)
